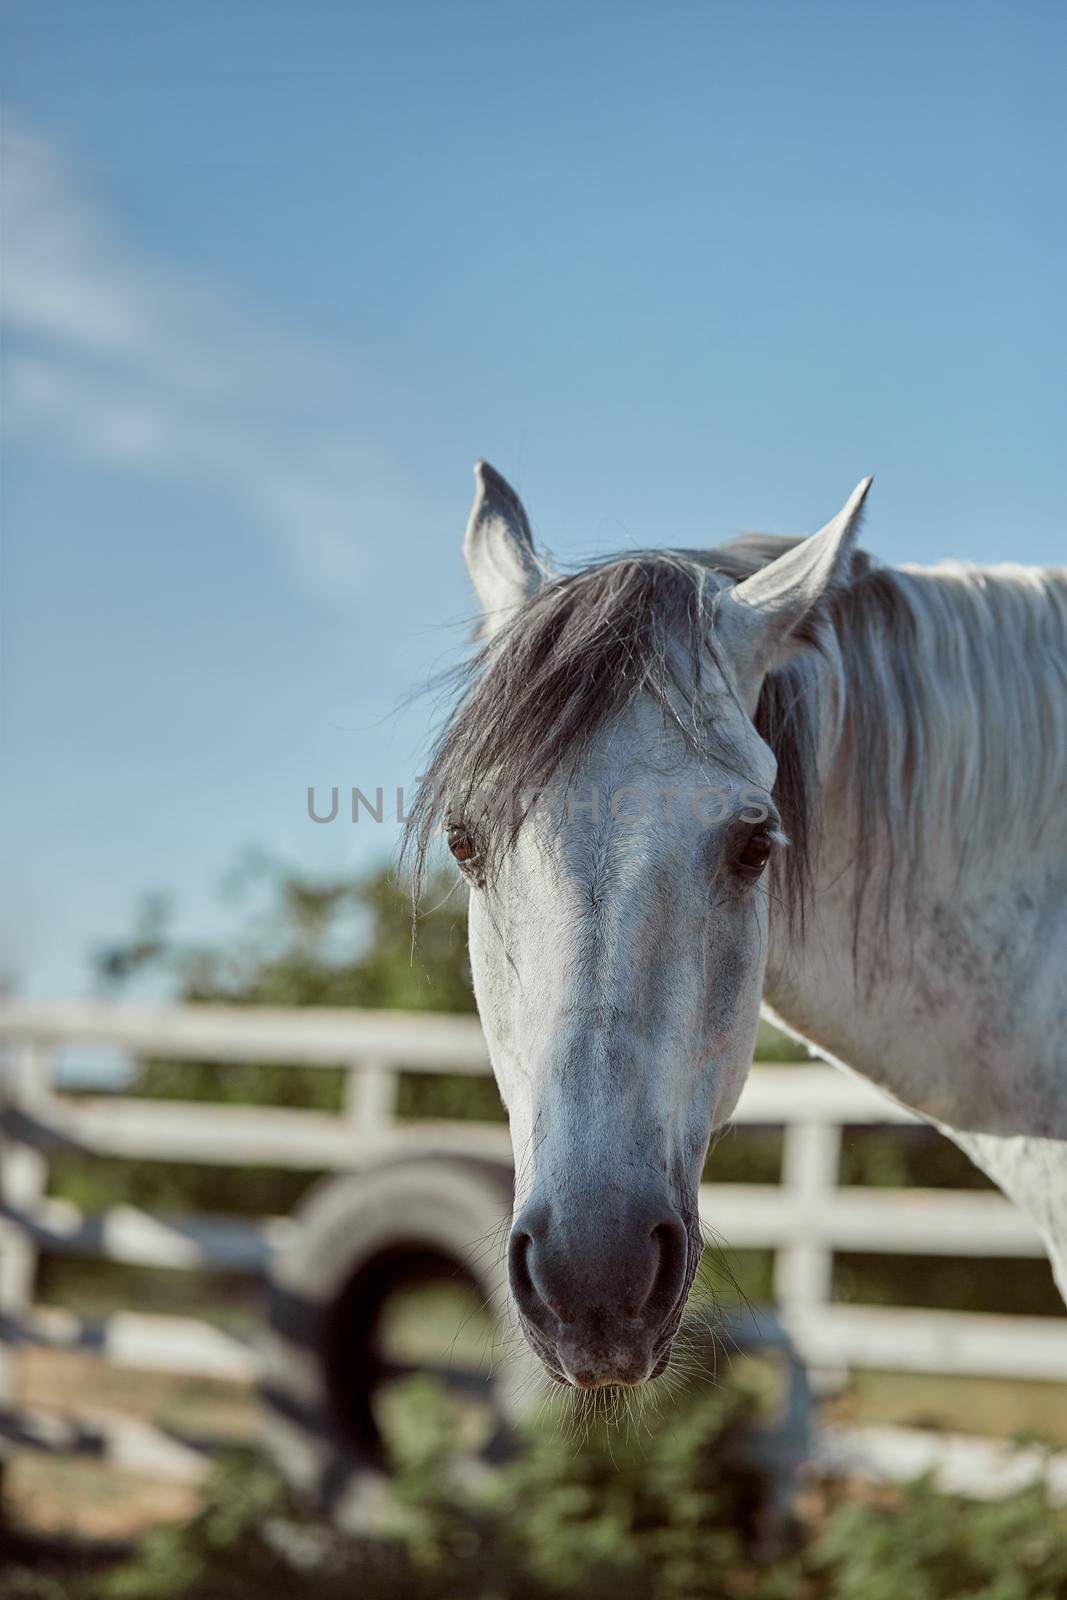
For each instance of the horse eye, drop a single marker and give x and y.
(461, 843)
(754, 856)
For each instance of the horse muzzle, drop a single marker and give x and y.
(600, 1302)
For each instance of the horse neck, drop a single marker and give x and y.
(955, 725)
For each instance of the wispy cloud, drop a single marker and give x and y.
(120, 359)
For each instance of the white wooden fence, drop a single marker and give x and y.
(803, 1219)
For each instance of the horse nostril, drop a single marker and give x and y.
(561, 1276)
(669, 1277)
(518, 1267)
(529, 1299)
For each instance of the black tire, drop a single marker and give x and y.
(355, 1239)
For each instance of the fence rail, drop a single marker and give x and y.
(803, 1219)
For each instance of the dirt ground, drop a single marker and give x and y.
(68, 1496)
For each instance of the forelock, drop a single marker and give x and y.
(572, 661)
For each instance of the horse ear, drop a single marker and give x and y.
(778, 597)
(498, 548)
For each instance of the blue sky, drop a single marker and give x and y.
(275, 275)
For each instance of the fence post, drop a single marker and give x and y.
(370, 1096)
(24, 1086)
(803, 1268)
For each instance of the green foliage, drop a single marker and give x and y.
(659, 1513)
(300, 941)
(657, 1507)
(95, 1288)
(954, 1283)
(296, 942)
(222, 1551)
(93, 1182)
(774, 1045)
(662, 1511)
(907, 1157)
(745, 1155)
(26, 1582)
(932, 1547)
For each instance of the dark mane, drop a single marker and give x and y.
(947, 688)
(579, 654)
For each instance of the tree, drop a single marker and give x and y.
(307, 942)
(296, 941)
